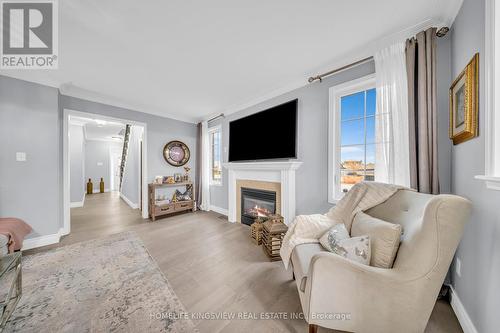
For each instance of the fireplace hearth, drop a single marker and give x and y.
(256, 203)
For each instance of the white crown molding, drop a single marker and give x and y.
(360, 53)
(45, 81)
(93, 96)
(452, 12)
(68, 89)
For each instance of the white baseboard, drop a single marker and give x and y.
(219, 210)
(77, 204)
(32, 243)
(99, 191)
(461, 313)
(128, 201)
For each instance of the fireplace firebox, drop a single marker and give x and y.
(256, 203)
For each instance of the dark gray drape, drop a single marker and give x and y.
(198, 171)
(422, 106)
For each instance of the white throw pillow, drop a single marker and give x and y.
(384, 236)
(337, 240)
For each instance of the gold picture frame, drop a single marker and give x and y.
(464, 102)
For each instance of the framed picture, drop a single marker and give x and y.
(464, 101)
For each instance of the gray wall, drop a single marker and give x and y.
(478, 287)
(97, 152)
(77, 160)
(159, 131)
(132, 173)
(29, 122)
(312, 185)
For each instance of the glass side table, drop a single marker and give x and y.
(10, 285)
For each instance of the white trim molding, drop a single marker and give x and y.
(67, 113)
(32, 243)
(96, 191)
(492, 98)
(334, 132)
(129, 202)
(279, 172)
(76, 204)
(219, 210)
(461, 313)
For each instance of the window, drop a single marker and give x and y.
(352, 138)
(215, 156)
(492, 97)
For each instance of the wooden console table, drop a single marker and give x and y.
(173, 207)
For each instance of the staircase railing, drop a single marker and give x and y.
(124, 152)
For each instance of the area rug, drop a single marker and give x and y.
(105, 285)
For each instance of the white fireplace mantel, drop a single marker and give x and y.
(281, 172)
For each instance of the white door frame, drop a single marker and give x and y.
(66, 168)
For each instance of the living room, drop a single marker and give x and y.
(295, 166)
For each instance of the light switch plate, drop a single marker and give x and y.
(21, 157)
(100, 164)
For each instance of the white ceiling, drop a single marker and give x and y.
(101, 130)
(192, 59)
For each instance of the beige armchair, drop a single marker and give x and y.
(341, 294)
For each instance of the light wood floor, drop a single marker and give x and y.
(212, 265)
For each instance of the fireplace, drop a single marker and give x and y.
(256, 203)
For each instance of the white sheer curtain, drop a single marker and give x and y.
(205, 167)
(392, 156)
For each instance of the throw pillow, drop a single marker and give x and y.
(337, 240)
(384, 236)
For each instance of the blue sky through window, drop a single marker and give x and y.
(358, 146)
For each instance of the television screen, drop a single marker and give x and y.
(269, 134)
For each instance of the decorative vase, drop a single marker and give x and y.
(90, 187)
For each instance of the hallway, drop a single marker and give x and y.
(102, 214)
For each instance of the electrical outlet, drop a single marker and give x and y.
(458, 267)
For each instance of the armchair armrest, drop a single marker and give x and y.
(346, 295)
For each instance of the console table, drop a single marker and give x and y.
(156, 210)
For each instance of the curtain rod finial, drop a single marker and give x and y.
(442, 31)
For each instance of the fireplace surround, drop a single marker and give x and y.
(256, 203)
(275, 175)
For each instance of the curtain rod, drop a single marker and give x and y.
(216, 117)
(440, 33)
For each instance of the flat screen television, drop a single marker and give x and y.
(269, 134)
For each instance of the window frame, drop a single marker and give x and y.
(211, 131)
(492, 99)
(334, 130)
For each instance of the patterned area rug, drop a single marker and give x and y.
(104, 285)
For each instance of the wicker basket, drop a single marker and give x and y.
(256, 230)
(273, 231)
